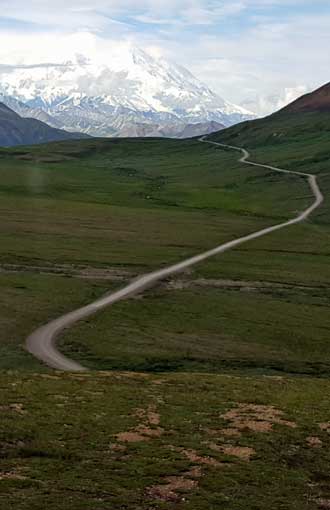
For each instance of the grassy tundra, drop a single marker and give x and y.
(198, 403)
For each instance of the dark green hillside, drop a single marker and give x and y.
(296, 137)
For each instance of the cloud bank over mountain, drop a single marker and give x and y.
(243, 49)
(122, 91)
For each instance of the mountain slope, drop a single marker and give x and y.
(132, 89)
(305, 120)
(317, 101)
(15, 130)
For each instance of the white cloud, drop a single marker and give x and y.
(263, 105)
(264, 59)
(259, 56)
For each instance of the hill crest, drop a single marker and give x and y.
(316, 101)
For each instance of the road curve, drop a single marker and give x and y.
(42, 342)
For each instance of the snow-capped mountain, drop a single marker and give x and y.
(25, 111)
(129, 94)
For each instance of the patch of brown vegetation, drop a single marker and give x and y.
(146, 430)
(140, 413)
(241, 452)
(258, 426)
(131, 437)
(314, 442)
(150, 415)
(193, 456)
(149, 432)
(118, 448)
(153, 418)
(256, 418)
(324, 504)
(325, 426)
(171, 490)
(195, 472)
(230, 432)
(12, 475)
(18, 408)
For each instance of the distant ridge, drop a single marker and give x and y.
(15, 130)
(202, 128)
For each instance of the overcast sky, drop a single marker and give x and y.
(241, 48)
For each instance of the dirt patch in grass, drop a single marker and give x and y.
(171, 491)
(325, 426)
(118, 448)
(241, 452)
(153, 418)
(12, 475)
(256, 418)
(131, 437)
(149, 432)
(324, 504)
(147, 428)
(18, 408)
(314, 442)
(194, 457)
(150, 415)
(230, 432)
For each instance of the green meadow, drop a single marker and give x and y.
(209, 391)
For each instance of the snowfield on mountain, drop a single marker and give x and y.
(131, 94)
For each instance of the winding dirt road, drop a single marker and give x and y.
(42, 342)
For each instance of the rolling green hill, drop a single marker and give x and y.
(296, 136)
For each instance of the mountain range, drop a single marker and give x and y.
(132, 94)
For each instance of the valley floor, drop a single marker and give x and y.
(211, 390)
